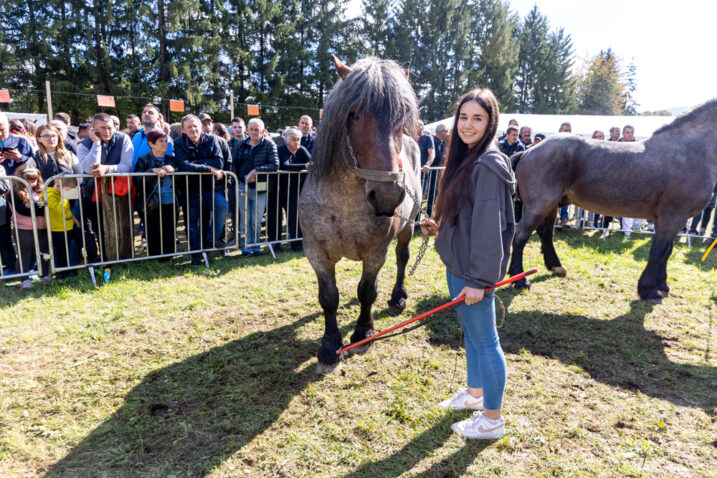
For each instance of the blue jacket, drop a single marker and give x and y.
(263, 157)
(199, 158)
(14, 141)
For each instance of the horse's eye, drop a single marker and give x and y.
(354, 116)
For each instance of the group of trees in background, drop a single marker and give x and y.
(277, 54)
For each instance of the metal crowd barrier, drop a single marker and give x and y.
(276, 194)
(13, 234)
(277, 210)
(92, 222)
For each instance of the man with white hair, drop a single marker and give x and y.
(67, 142)
(257, 154)
(307, 137)
(198, 152)
(14, 149)
(292, 157)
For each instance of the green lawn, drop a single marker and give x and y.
(172, 370)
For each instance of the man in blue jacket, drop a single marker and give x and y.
(198, 152)
(255, 155)
(150, 121)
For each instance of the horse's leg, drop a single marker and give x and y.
(545, 231)
(654, 278)
(662, 273)
(397, 303)
(329, 300)
(367, 293)
(526, 226)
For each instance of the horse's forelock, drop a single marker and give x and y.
(374, 86)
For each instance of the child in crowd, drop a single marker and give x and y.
(21, 205)
(62, 222)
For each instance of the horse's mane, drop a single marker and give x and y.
(376, 86)
(688, 117)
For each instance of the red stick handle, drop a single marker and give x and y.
(447, 305)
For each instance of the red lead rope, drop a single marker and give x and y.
(447, 305)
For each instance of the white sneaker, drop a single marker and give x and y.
(462, 400)
(479, 427)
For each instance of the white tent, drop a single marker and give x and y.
(38, 119)
(581, 124)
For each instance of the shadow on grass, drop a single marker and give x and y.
(187, 418)
(697, 251)
(422, 446)
(148, 269)
(618, 352)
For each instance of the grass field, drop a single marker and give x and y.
(172, 370)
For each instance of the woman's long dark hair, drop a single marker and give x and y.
(455, 182)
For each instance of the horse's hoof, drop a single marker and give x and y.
(664, 292)
(360, 350)
(324, 368)
(396, 307)
(521, 284)
(652, 297)
(559, 271)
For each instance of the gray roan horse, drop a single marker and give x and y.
(668, 178)
(363, 161)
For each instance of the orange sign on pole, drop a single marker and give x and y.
(253, 110)
(4, 96)
(321, 113)
(106, 101)
(176, 105)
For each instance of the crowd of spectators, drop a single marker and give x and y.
(150, 145)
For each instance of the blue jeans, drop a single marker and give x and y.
(253, 210)
(484, 357)
(221, 208)
(564, 213)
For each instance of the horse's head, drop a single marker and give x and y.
(383, 109)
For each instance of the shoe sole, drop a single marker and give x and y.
(484, 436)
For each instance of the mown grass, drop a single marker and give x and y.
(171, 370)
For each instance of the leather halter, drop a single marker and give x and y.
(373, 174)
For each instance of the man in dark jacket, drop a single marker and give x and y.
(510, 144)
(307, 137)
(255, 155)
(16, 150)
(197, 152)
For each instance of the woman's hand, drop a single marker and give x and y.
(429, 226)
(159, 172)
(472, 295)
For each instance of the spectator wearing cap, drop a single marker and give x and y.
(199, 152)
(538, 138)
(207, 123)
(292, 157)
(510, 144)
(307, 136)
(150, 121)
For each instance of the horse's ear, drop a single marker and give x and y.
(406, 69)
(341, 69)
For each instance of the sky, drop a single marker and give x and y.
(669, 42)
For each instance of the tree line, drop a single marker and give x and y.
(277, 54)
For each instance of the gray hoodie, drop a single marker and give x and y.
(477, 248)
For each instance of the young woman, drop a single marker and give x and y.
(474, 221)
(51, 157)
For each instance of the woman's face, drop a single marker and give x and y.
(598, 135)
(292, 143)
(472, 123)
(49, 139)
(159, 148)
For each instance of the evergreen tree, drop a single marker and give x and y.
(533, 45)
(601, 89)
(629, 105)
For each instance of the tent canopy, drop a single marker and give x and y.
(581, 124)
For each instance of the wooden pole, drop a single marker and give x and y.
(231, 102)
(50, 116)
